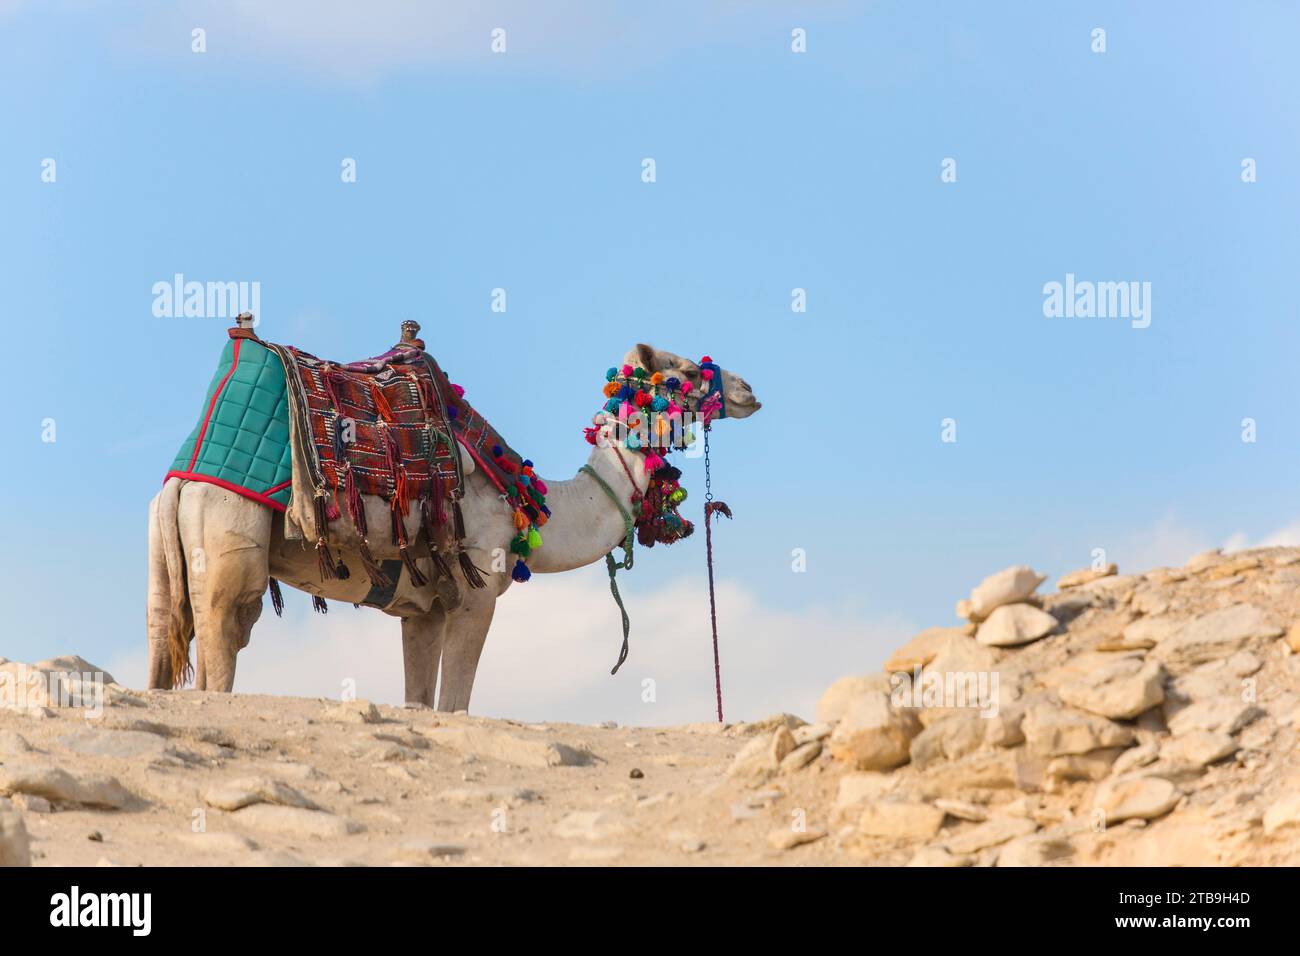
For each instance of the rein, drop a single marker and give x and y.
(611, 565)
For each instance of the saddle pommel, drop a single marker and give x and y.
(411, 333)
(244, 320)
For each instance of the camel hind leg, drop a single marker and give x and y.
(422, 637)
(467, 629)
(226, 539)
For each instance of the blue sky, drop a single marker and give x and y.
(775, 170)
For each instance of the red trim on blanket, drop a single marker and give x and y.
(261, 498)
(483, 465)
(213, 404)
(280, 487)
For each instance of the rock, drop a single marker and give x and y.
(12, 742)
(873, 735)
(1147, 632)
(949, 739)
(1197, 748)
(841, 695)
(1204, 559)
(217, 841)
(1008, 586)
(984, 770)
(1092, 766)
(123, 744)
(31, 803)
(781, 745)
(1120, 690)
(60, 786)
(938, 856)
(356, 712)
(762, 756)
(425, 851)
(296, 821)
(1140, 756)
(961, 653)
(1011, 625)
(1085, 575)
(1142, 797)
(921, 650)
(246, 791)
(962, 810)
(1282, 814)
(1057, 732)
(1293, 638)
(810, 732)
(1227, 714)
(800, 757)
(509, 748)
(1216, 635)
(685, 841)
(857, 789)
(1035, 850)
(787, 839)
(900, 820)
(989, 834)
(73, 665)
(15, 845)
(491, 796)
(589, 825)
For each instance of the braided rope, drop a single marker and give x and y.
(612, 566)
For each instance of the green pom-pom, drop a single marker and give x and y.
(534, 539)
(520, 546)
(641, 373)
(678, 496)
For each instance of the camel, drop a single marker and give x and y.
(212, 552)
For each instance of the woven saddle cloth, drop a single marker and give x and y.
(366, 458)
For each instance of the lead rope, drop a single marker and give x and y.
(711, 508)
(612, 566)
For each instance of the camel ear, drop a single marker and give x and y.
(646, 357)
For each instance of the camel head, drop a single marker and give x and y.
(739, 397)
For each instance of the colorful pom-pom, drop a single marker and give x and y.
(521, 572)
(633, 441)
(534, 539)
(641, 373)
(657, 378)
(686, 387)
(611, 389)
(627, 371)
(706, 361)
(460, 392)
(659, 404)
(642, 399)
(611, 374)
(707, 374)
(673, 383)
(653, 462)
(540, 485)
(497, 451)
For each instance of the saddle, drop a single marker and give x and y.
(392, 428)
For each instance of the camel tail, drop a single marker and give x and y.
(177, 616)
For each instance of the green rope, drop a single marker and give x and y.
(611, 565)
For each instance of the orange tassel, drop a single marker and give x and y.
(521, 521)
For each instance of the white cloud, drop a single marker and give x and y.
(1167, 543)
(1288, 536)
(554, 640)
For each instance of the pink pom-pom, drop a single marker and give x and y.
(652, 463)
(627, 370)
(460, 392)
(686, 387)
(541, 485)
(707, 374)
(674, 410)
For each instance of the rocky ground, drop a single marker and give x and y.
(1145, 719)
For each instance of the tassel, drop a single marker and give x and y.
(469, 572)
(521, 572)
(434, 501)
(318, 604)
(439, 562)
(356, 507)
(277, 599)
(418, 579)
(373, 569)
(323, 560)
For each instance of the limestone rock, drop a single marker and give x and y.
(787, 839)
(1008, 586)
(296, 821)
(1034, 850)
(125, 744)
(1282, 814)
(246, 791)
(1197, 748)
(900, 820)
(356, 712)
(60, 786)
(1216, 635)
(857, 789)
(1011, 625)
(874, 735)
(811, 732)
(800, 757)
(1141, 797)
(491, 744)
(1147, 632)
(492, 796)
(962, 810)
(1227, 714)
(1120, 690)
(1093, 765)
(989, 834)
(1085, 575)
(841, 695)
(15, 846)
(921, 650)
(1056, 732)
(1293, 638)
(937, 856)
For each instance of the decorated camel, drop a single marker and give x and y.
(377, 483)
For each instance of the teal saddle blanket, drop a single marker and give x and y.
(241, 441)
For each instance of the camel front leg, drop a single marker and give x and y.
(467, 629)
(421, 649)
(226, 539)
